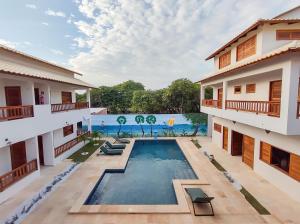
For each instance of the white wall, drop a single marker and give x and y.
(59, 138)
(5, 161)
(287, 143)
(48, 148)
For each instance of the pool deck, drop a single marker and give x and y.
(230, 207)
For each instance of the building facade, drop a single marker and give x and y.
(40, 121)
(255, 108)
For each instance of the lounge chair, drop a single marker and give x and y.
(108, 151)
(121, 140)
(115, 146)
(197, 195)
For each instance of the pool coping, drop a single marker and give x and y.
(182, 207)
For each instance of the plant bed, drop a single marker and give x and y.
(85, 152)
(196, 143)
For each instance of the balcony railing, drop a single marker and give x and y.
(15, 112)
(271, 108)
(212, 103)
(68, 145)
(69, 106)
(17, 174)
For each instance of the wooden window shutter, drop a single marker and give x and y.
(288, 34)
(225, 60)
(217, 127)
(246, 49)
(294, 170)
(250, 88)
(68, 130)
(265, 152)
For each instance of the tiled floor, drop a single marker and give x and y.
(229, 204)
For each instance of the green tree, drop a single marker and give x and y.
(80, 97)
(196, 119)
(208, 93)
(121, 120)
(151, 119)
(139, 119)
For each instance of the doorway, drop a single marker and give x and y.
(66, 97)
(18, 154)
(13, 95)
(275, 96)
(41, 149)
(225, 138)
(248, 150)
(220, 97)
(236, 144)
(37, 96)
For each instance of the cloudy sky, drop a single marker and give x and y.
(150, 41)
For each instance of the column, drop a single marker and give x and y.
(48, 149)
(209, 125)
(225, 84)
(88, 97)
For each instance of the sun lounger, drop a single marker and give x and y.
(109, 151)
(121, 140)
(115, 146)
(197, 195)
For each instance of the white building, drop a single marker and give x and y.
(255, 108)
(40, 121)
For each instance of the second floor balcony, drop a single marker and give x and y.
(15, 112)
(69, 106)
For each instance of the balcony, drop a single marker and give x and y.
(68, 145)
(212, 103)
(17, 174)
(271, 108)
(15, 112)
(68, 106)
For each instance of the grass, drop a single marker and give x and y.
(218, 165)
(196, 143)
(77, 157)
(255, 204)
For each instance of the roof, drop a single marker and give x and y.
(37, 59)
(291, 47)
(286, 12)
(254, 26)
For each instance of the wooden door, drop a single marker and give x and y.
(220, 97)
(248, 150)
(37, 96)
(41, 149)
(66, 97)
(225, 138)
(275, 96)
(18, 154)
(13, 95)
(236, 144)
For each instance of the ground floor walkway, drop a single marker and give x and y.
(278, 203)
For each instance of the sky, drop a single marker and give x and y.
(150, 41)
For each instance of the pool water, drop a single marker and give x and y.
(147, 179)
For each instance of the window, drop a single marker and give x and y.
(237, 89)
(250, 88)
(285, 161)
(217, 127)
(287, 34)
(66, 97)
(68, 130)
(225, 60)
(246, 49)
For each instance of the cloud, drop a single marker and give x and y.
(67, 36)
(57, 52)
(45, 24)
(31, 6)
(8, 43)
(50, 12)
(157, 41)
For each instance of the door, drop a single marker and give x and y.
(41, 149)
(225, 138)
(248, 150)
(18, 154)
(13, 95)
(275, 96)
(220, 97)
(66, 97)
(236, 144)
(36, 96)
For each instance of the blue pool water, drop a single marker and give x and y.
(147, 179)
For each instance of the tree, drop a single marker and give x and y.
(121, 120)
(80, 97)
(196, 119)
(151, 119)
(208, 93)
(139, 119)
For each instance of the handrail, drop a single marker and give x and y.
(212, 103)
(68, 106)
(259, 107)
(15, 175)
(15, 112)
(68, 145)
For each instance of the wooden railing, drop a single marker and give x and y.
(271, 108)
(68, 145)
(15, 112)
(15, 175)
(69, 106)
(212, 103)
(298, 109)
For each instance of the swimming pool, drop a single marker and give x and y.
(147, 179)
